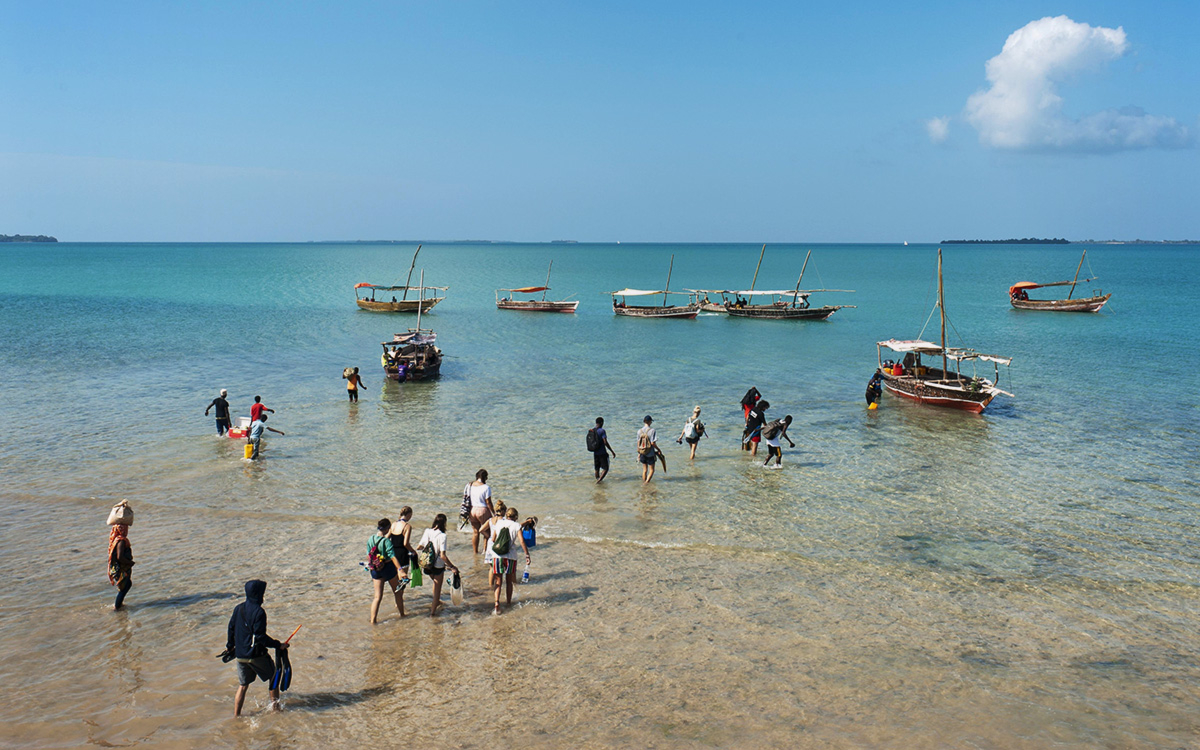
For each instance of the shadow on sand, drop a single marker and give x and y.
(183, 601)
(323, 701)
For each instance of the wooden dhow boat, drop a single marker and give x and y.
(412, 355)
(785, 304)
(407, 299)
(913, 379)
(622, 307)
(1018, 295)
(534, 305)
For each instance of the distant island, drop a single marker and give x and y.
(1023, 241)
(26, 238)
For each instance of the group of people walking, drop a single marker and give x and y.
(396, 563)
(258, 422)
(758, 429)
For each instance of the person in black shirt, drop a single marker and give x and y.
(248, 643)
(755, 419)
(222, 407)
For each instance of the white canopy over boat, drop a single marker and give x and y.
(926, 347)
(640, 293)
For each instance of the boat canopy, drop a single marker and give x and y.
(1034, 285)
(928, 347)
(365, 285)
(640, 293)
(753, 292)
(412, 337)
(528, 289)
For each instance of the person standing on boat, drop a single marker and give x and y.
(647, 448)
(257, 409)
(353, 381)
(598, 443)
(222, 407)
(772, 433)
(693, 430)
(755, 419)
(256, 433)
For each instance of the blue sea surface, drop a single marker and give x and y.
(1077, 496)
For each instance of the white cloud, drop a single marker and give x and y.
(938, 129)
(1022, 110)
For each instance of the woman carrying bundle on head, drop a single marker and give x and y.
(120, 551)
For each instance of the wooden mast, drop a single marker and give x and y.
(409, 279)
(797, 294)
(942, 310)
(1081, 257)
(667, 288)
(755, 279)
(547, 281)
(419, 304)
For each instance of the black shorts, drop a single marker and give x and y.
(691, 441)
(600, 460)
(386, 573)
(261, 667)
(648, 458)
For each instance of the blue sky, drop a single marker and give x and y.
(665, 121)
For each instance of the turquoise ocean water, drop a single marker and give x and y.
(1080, 493)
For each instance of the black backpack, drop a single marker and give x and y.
(593, 441)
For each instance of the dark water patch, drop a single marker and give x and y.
(184, 600)
(982, 659)
(328, 700)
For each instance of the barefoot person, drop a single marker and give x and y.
(693, 430)
(353, 381)
(384, 567)
(755, 420)
(506, 536)
(402, 543)
(480, 496)
(647, 448)
(248, 641)
(598, 445)
(256, 433)
(772, 433)
(222, 406)
(433, 541)
(258, 408)
(120, 562)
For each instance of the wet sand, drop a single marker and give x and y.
(611, 644)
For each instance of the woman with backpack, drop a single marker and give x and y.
(432, 555)
(479, 495)
(693, 430)
(384, 568)
(506, 535)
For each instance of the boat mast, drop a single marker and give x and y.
(797, 294)
(942, 310)
(755, 279)
(1081, 257)
(409, 279)
(419, 305)
(667, 288)
(547, 281)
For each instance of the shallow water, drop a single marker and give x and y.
(912, 577)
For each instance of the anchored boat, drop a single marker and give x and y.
(403, 298)
(1018, 295)
(913, 379)
(686, 310)
(534, 305)
(412, 355)
(785, 304)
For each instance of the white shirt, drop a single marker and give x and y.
(480, 494)
(438, 539)
(514, 535)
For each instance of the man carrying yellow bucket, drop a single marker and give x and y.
(254, 440)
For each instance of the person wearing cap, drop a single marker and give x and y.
(222, 407)
(693, 430)
(647, 449)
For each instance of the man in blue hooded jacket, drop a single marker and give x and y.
(249, 642)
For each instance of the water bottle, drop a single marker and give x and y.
(525, 575)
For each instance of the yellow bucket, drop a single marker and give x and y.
(874, 405)
(249, 450)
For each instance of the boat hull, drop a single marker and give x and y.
(401, 306)
(670, 311)
(712, 307)
(429, 368)
(536, 306)
(774, 312)
(1087, 304)
(931, 394)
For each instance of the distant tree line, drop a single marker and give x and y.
(1022, 241)
(26, 238)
